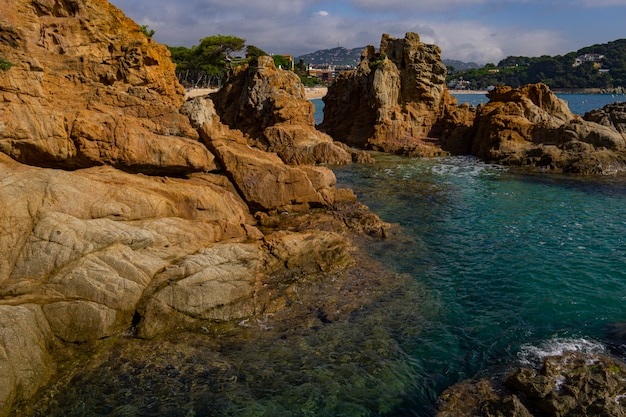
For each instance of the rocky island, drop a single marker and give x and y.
(134, 221)
(396, 101)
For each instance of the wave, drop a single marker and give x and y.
(533, 355)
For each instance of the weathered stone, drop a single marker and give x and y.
(571, 384)
(531, 127)
(99, 248)
(612, 115)
(202, 286)
(89, 88)
(271, 108)
(263, 180)
(25, 362)
(394, 101)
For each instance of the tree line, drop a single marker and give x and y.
(596, 66)
(210, 62)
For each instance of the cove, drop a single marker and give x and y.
(514, 266)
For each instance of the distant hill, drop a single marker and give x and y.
(601, 66)
(341, 56)
(459, 65)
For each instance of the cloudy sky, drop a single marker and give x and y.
(469, 30)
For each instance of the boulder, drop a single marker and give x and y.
(612, 115)
(89, 88)
(395, 101)
(263, 179)
(237, 281)
(268, 104)
(571, 384)
(532, 128)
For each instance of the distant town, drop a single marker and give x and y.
(601, 66)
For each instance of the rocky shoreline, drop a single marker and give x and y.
(135, 215)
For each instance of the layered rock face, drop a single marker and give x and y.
(123, 212)
(396, 100)
(88, 89)
(273, 112)
(531, 127)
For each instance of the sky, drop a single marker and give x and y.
(481, 31)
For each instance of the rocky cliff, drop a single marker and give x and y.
(126, 210)
(396, 100)
(89, 89)
(269, 105)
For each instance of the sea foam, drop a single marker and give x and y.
(533, 355)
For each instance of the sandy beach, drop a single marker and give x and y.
(468, 91)
(315, 92)
(310, 93)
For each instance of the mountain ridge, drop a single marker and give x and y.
(342, 56)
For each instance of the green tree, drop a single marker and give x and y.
(148, 32)
(281, 62)
(301, 67)
(253, 53)
(209, 61)
(218, 50)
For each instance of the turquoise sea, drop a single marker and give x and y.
(497, 269)
(513, 266)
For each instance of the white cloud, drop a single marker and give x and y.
(298, 27)
(470, 41)
(601, 3)
(409, 4)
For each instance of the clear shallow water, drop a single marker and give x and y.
(518, 266)
(495, 269)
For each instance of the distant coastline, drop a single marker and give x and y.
(310, 93)
(468, 91)
(320, 92)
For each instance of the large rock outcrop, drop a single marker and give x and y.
(88, 88)
(268, 104)
(396, 101)
(264, 181)
(531, 127)
(126, 210)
